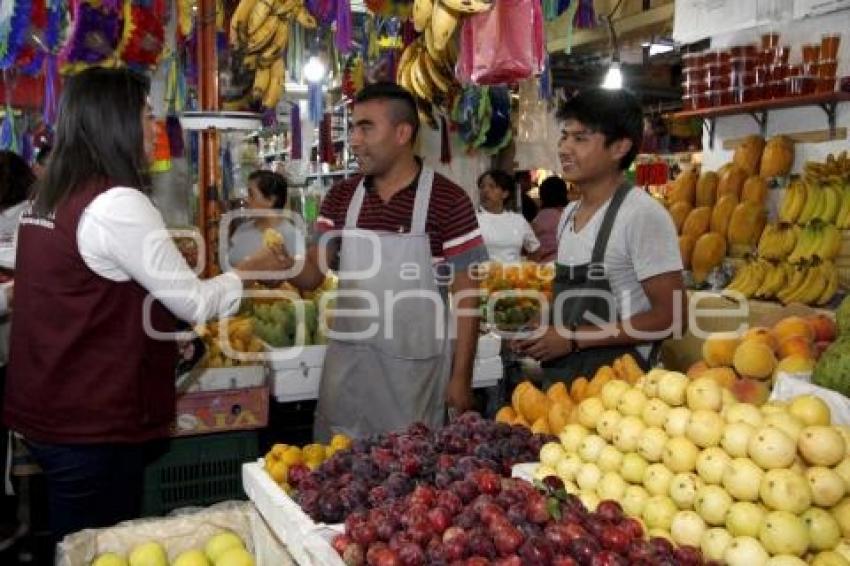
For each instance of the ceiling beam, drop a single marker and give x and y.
(556, 30)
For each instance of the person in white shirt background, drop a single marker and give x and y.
(507, 235)
(267, 192)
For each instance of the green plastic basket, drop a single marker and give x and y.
(198, 471)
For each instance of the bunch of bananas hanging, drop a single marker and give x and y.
(426, 67)
(259, 32)
(428, 73)
(440, 18)
(809, 282)
(832, 167)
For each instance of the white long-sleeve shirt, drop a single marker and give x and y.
(122, 236)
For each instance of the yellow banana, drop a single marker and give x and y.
(831, 285)
(262, 79)
(804, 242)
(261, 39)
(467, 6)
(239, 21)
(305, 18)
(438, 79)
(443, 24)
(420, 82)
(816, 287)
(812, 280)
(402, 69)
(422, 13)
(830, 242)
(774, 278)
(278, 45)
(810, 203)
(842, 219)
(250, 62)
(261, 11)
(832, 200)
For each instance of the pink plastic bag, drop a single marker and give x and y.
(503, 45)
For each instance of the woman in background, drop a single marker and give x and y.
(507, 235)
(553, 199)
(267, 194)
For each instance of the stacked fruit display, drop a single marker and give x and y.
(725, 210)
(745, 364)
(512, 289)
(223, 549)
(388, 467)
(285, 463)
(740, 482)
(259, 31)
(549, 412)
(492, 521)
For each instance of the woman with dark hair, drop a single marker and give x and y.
(506, 233)
(553, 199)
(267, 192)
(92, 359)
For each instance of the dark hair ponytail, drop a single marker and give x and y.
(272, 185)
(99, 135)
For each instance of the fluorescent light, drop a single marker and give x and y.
(614, 77)
(659, 48)
(314, 70)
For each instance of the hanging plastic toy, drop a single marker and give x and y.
(93, 39)
(143, 36)
(14, 25)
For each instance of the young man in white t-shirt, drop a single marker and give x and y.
(636, 275)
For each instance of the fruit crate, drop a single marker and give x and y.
(308, 542)
(198, 471)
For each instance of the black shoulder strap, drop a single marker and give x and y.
(604, 234)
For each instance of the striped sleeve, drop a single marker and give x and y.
(461, 235)
(332, 212)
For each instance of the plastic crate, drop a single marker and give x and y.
(198, 471)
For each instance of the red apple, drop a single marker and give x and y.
(823, 326)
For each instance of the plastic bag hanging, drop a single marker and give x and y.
(496, 46)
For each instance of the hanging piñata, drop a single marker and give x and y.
(94, 36)
(14, 25)
(144, 33)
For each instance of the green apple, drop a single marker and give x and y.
(628, 433)
(744, 519)
(784, 533)
(634, 500)
(607, 424)
(736, 438)
(829, 558)
(611, 486)
(822, 445)
(551, 454)
(651, 381)
(568, 466)
(571, 437)
(824, 531)
(589, 412)
(676, 422)
(672, 387)
(683, 489)
(218, 544)
(612, 392)
(714, 542)
(680, 455)
(588, 476)
(633, 468)
(705, 428)
(591, 447)
(659, 511)
(712, 504)
(687, 528)
(742, 479)
(771, 448)
(148, 554)
(632, 402)
(610, 459)
(785, 560)
(657, 479)
(789, 424)
(655, 413)
(651, 444)
(711, 465)
(784, 490)
(745, 551)
(826, 485)
(704, 393)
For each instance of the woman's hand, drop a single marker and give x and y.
(267, 259)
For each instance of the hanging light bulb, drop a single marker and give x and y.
(314, 69)
(614, 77)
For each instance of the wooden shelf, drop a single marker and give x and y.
(760, 109)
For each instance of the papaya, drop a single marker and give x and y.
(731, 181)
(747, 155)
(680, 211)
(684, 187)
(778, 157)
(721, 213)
(706, 193)
(755, 190)
(709, 251)
(698, 222)
(686, 248)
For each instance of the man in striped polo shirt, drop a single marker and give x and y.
(423, 230)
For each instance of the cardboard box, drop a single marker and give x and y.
(225, 409)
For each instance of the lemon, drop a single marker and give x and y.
(313, 453)
(292, 456)
(279, 472)
(340, 442)
(278, 449)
